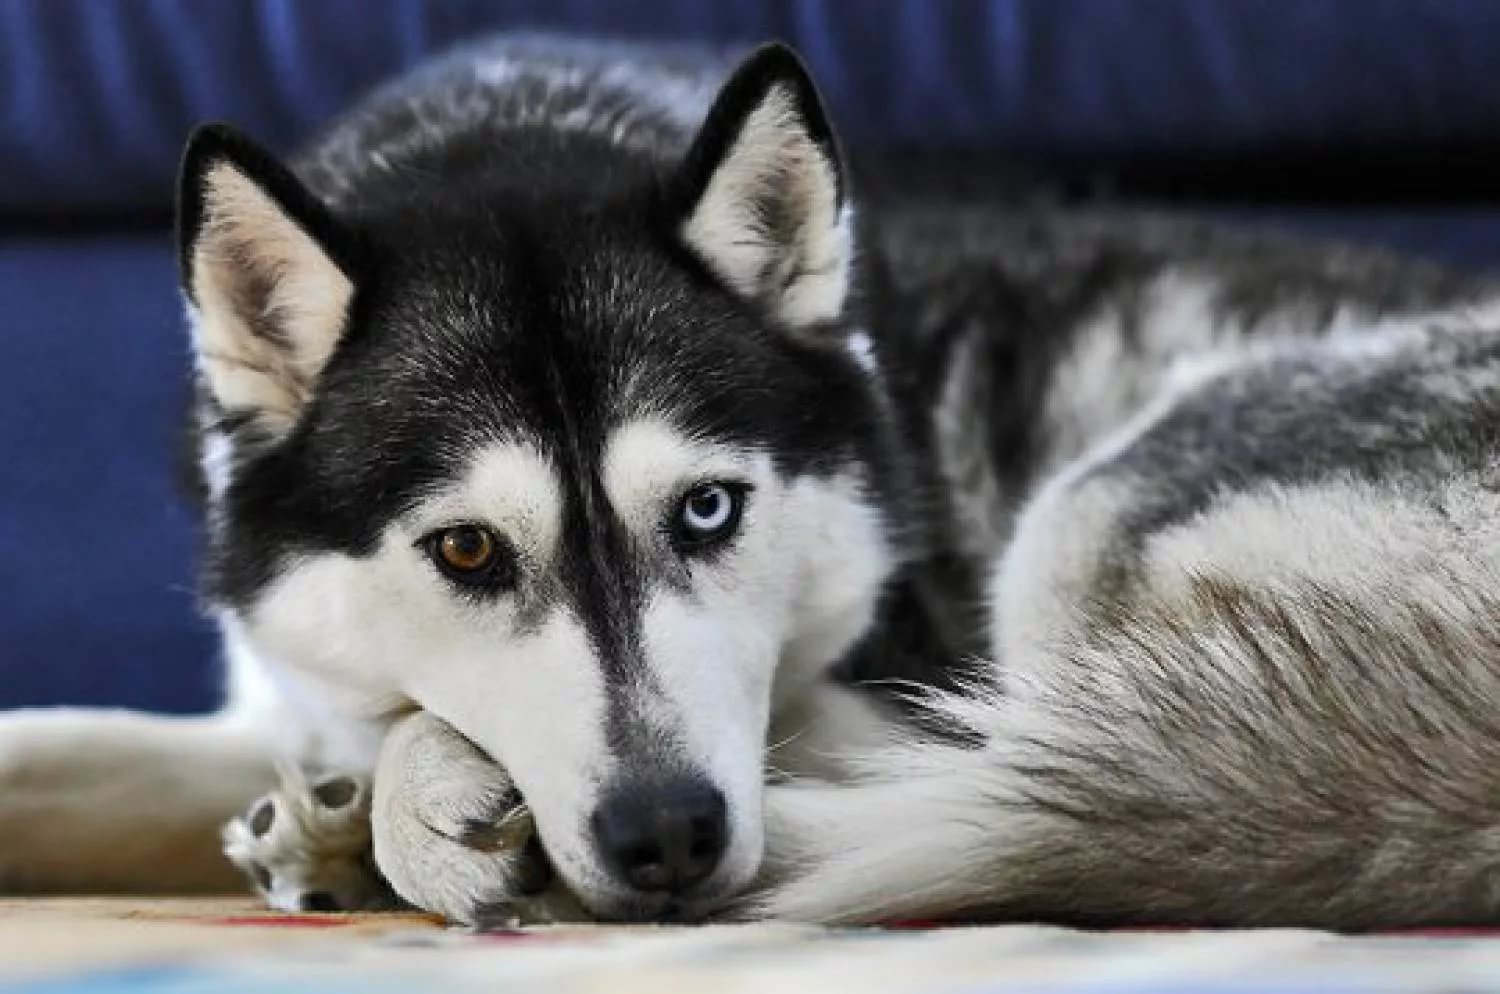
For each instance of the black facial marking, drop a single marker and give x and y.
(537, 289)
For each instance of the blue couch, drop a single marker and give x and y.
(1372, 119)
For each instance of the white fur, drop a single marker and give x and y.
(217, 463)
(862, 347)
(836, 535)
(378, 634)
(247, 238)
(762, 623)
(374, 634)
(309, 846)
(714, 655)
(511, 487)
(1361, 541)
(431, 787)
(774, 157)
(94, 801)
(917, 835)
(648, 465)
(537, 703)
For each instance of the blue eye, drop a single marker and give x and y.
(708, 514)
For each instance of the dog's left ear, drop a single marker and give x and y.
(763, 193)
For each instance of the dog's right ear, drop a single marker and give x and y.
(267, 274)
(762, 193)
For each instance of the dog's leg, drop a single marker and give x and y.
(102, 801)
(453, 836)
(439, 825)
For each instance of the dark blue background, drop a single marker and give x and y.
(1375, 119)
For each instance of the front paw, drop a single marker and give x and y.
(306, 845)
(452, 834)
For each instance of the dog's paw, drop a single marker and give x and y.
(452, 834)
(306, 845)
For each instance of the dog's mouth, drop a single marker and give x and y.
(540, 895)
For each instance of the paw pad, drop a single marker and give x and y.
(263, 817)
(306, 846)
(336, 793)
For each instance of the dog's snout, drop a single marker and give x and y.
(662, 838)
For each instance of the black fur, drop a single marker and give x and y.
(519, 270)
(768, 67)
(514, 294)
(515, 297)
(210, 144)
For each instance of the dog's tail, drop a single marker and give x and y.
(1231, 757)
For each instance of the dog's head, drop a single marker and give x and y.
(576, 466)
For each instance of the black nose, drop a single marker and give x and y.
(662, 837)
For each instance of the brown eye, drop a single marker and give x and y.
(467, 548)
(473, 557)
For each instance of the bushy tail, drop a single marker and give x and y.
(1231, 757)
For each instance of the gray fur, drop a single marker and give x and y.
(1244, 667)
(1196, 529)
(1167, 728)
(981, 313)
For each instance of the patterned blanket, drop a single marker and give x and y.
(78, 946)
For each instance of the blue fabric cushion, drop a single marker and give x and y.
(96, 545)
(96, 95)
(96, 542)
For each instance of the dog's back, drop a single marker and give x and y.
(1244, 642)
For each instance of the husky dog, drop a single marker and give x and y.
(570, 478)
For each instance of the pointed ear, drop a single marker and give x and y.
(260, 263)
(763, 193)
